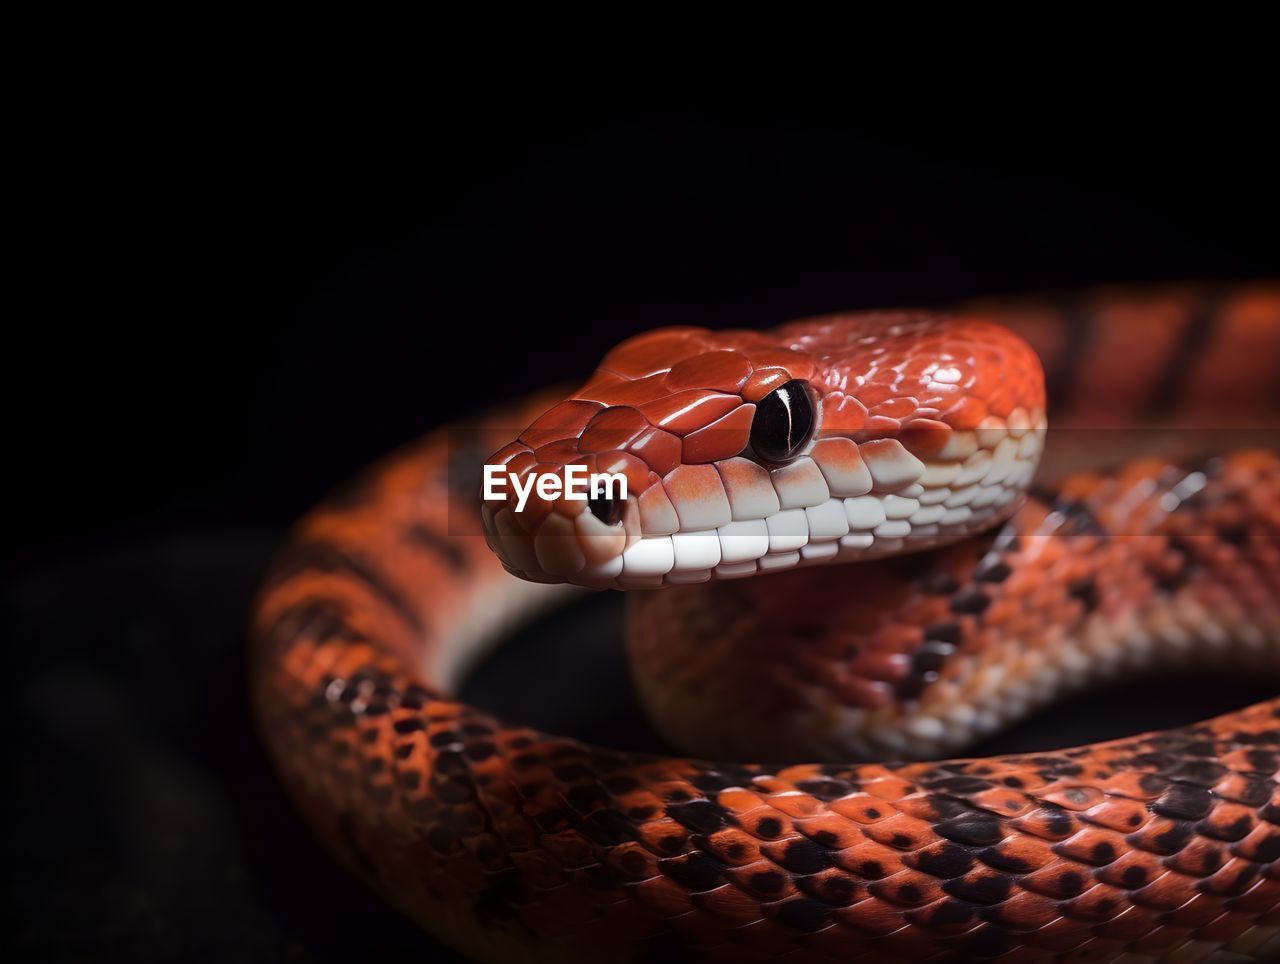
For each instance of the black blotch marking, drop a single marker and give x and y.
(805, 857)
(910, 894)
(947, 861)
(695, 871)
(1085, 590)
(769, 827)
(1104, 852)
(976, 830)
(985, 889)
(766, 882)
(1071, 883)
(950, 912)
(1184, 801)
(699, 816)
(804, 914)
(1172, 840)
(970, 600)
(672, 843)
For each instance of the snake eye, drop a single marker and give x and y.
(605, 507)
(783, 422)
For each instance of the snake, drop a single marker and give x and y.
(835, 548)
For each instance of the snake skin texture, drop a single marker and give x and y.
(510, 844)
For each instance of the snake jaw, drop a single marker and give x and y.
(916, 430)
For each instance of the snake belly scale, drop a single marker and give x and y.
(782, 485)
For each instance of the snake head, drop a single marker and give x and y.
(842, 438)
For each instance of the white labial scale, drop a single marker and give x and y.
(962, 496)
(955, 516)
(1003, 461)
(934, 496)
(1029, 445)
(894, 529)
(827, 521)
(743, 541)
(865, 512)
(975, 467)
(735, 570)
(651, 556)
(775, 561)
(609, 569)
(928, 515)
(896, 507)
(800, 484)
(857, 541)
(788, 530)
(986, 496)
(939, 474)
(816, 551)
(677, 578)
(696, 550)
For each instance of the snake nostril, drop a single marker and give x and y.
(606, 508)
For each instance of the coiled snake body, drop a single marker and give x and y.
(767, 455)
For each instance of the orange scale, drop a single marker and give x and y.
(721, 371)
(722, 439)
(636, 470)
(558, 453)
(794, 803)
(684, 412)
(841, 414)
(654, 351)
(738, 800)
(508, 453)
(879, 427)
(888, 787)
(799, 364)
(872, 394)
(924, 437)
(1003, 802)
(600, 387)
(566, 420)
(832, 830)
(762, 381)
(612, 428)
(728, 902)
(870, 860)
(1130, 924)
(907, 833)
(1118, 813)
(662, 895)
(966, 413)
(1262, 897)
(898, 408)
(519, 463)
(1025, 910)
(876, 917)
(638, 392)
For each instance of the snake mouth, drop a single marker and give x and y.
(840, 501)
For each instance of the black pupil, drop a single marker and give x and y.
(782, 423)
(605, 508)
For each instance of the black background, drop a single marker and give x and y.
(243, 304)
